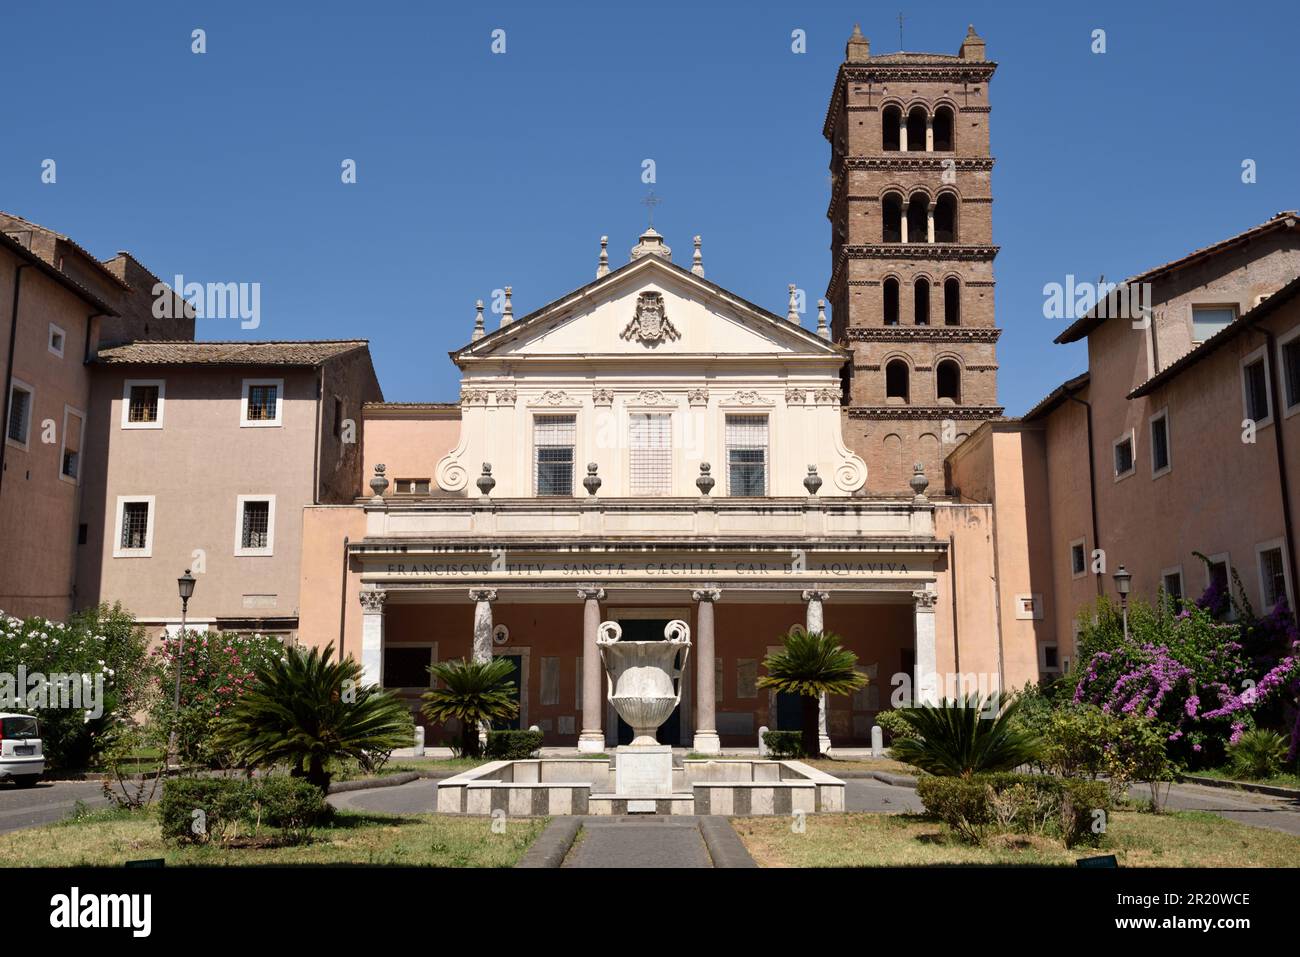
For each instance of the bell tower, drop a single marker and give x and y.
(911, 288)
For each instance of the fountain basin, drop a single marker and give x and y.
(564, 786)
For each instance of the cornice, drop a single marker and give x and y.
(922, 334)
(925, 413)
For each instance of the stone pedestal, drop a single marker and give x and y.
(643, 771)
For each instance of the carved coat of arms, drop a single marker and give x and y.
(650, 325)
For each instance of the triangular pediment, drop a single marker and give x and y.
(645, 309)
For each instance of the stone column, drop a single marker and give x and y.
(929, 133)
(929, 223)
(706, 722)
(592, 738)
(926, 679)
(902, 238)
(483, 599)
(814, 620)
(902, 132)
(372, 636)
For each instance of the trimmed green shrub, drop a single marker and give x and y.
(512, 745)
(294, 805)
(1010, 803)
(1259, 754)
(895, 724)
(784, 744)
(201, 810)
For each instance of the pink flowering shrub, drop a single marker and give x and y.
(217, 668)
(1207, 681)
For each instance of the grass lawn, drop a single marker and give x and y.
(1174, 839)
(1227, 774)
(108, 838)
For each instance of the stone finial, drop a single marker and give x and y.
(507, 311)
(651, 244)
(823, 329)
(793, 313)
(697, 261)
(592, 482)
(812, 481)
(858, 49)
(379, 483)
(706, 481)
(972, 48)
(486, 483)
(602, 268)
(479, 331)
(919, 484)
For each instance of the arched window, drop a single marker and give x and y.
(916, 130)
(890, 118)
(891, 301)
(921, 302)
(896, 379)
(945, 219)
(917, 213)
(947, 377)
(891, 219)
(952, 301)
(943, 130)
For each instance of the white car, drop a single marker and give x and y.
(22, 759)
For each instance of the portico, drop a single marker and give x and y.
(532, 580)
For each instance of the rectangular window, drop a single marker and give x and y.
(20, 414)
(1255, 388)
(1124, 456)
(1291, 372)
(746, 454)
(1078, 559)
(651, 455)
(142, 403)
(1207, 320)
(255, 534)
(407, 666)
(1272, 576)
(1160, 444)
(1173, 584)
(135, 527)
(338, 417)
(57, 339)
(74, 425)
(1218, 573)
(411, 486)
(554, 438)
(262, 402)
(1051, 660)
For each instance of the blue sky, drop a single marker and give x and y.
(478, 170)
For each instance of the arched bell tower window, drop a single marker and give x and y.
(952, 301)
(947, 375)
(945, 219)
(891, 219)
(890, 294)
(921, 302)
(943, 127)
(890, 118)
(896, 374)
(917, 214)
(916, 129)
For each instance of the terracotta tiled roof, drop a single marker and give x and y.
(57, 275)
(1283, 220)
(166, 352)
(62, 237)
(1057, 396)
(1226, 334)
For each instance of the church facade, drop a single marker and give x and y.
(653, 446)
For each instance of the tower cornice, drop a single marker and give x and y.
(922, 334)
(916, 252)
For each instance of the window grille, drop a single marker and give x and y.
(257, 525)
(144, 404)
(135, 524)
(747, 454)
(554, 437)
(261, 403)
(651, 444)
(19, 401)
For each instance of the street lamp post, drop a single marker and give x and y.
(1122, 581)
(185, 586)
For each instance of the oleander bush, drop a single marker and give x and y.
(513, 745)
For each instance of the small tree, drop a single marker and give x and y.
(965, 737)
(305, 710)
(810, 664)
(474, 693)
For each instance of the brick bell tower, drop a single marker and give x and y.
(911, 289)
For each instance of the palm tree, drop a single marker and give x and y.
(963, 737)
(306, 709)
(811, 664)
(475, 693)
